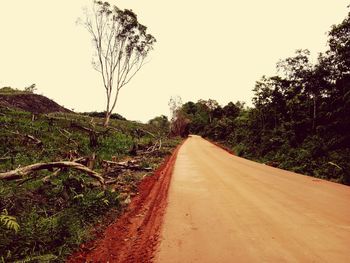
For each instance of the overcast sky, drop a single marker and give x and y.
(205, 49)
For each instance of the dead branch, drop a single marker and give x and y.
(155, 147)
(89, 130)
(69, 133)
(93, 134)
(63, 131)
(148, 132)
(80, 160)
(78, 126)
(6, 153)
(27, 170)
(32, 138)
(130, 165)
(115, 129)
(160, 144)
(28, 136)
(127, 164)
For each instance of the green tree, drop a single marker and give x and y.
(161, 123)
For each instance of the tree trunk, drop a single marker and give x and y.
(314, 115)
(108, 116)
(29, 169)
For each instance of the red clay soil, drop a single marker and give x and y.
(134, 236)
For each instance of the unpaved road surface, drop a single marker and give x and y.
(223, 208)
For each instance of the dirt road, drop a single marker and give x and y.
(223, 208)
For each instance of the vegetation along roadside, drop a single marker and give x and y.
(48, 211)
(299, 119)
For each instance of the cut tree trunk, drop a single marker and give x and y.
(106, 122)
(27, 170)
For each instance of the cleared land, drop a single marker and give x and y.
(222, 208)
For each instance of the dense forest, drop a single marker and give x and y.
(300, 119)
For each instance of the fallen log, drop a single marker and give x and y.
(27, 170)
(55, 173)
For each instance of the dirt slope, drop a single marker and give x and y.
(224, 208)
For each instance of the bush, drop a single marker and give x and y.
(116, 144)
(47, 229)
(239, 150)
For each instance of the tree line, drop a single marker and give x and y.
(300, 118)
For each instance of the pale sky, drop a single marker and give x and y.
(205, 49)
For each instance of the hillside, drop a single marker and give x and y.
(29, 102)
(47, 213)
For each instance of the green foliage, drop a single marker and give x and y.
(14, 91)
(9, 222)
(56, 219)
(57, 216)
(240, 150)
(115, 144)
(161, 123)
(7, 90)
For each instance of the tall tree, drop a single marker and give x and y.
(121, 45)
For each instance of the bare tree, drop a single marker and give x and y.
(121, 46)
